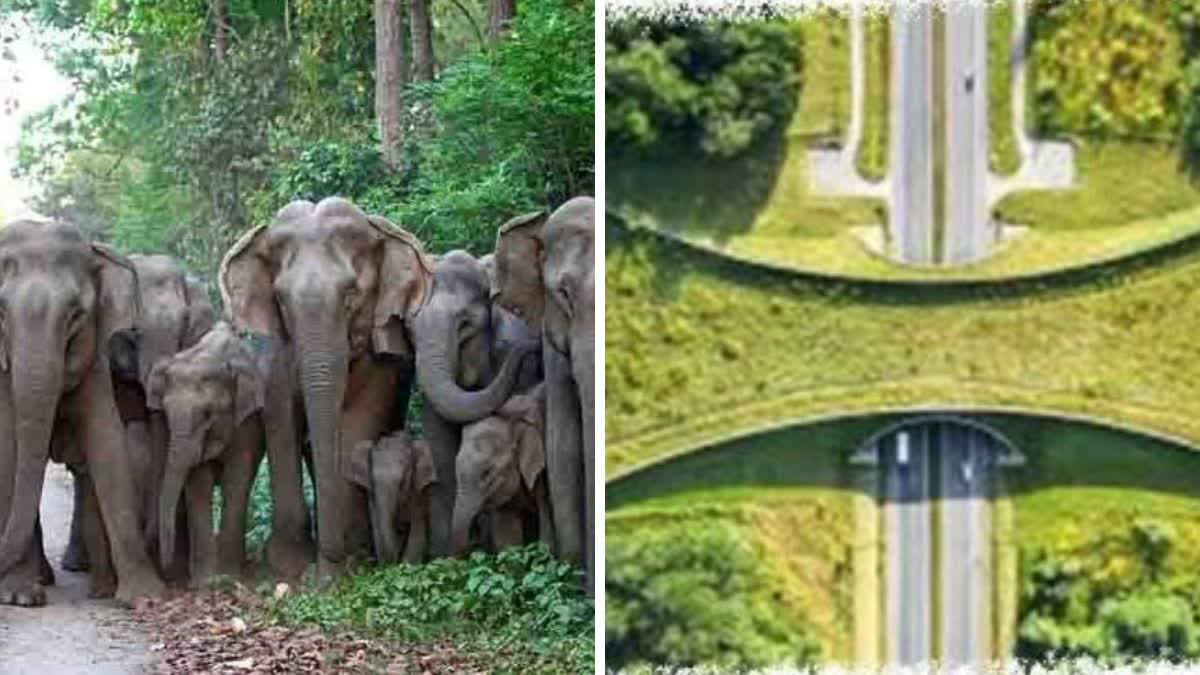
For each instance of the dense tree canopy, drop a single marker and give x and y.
(193, 120)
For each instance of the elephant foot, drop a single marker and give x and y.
(102, 586)
(22, 593)
(133, 590)
(288, 559)
(45, 573)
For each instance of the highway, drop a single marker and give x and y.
(909, 565)
(911, 134)
(965, 475)
(968, 233)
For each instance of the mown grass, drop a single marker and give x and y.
(788, 494)
(521, 611)
(698, 348)
(1130, 195)
(873, 154)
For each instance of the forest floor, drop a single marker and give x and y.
(219, 631)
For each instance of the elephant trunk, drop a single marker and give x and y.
(324, 361)
(387, 541)
(437, 371)
(179, 463)
(584, 369)
(36, 358)
(467, 504)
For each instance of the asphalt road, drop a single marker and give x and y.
(911, 134)
(967, 234)
(965, 474)
(910, 567)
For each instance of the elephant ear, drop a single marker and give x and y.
(355, 464)
(405, 276)
(156, 385)
(519, 251)
(200, 313)
(488, 263)
(247, 288)
(118, 307)
(530, 451)
(248, 391)
(423, 471)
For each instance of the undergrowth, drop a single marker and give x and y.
(521, 607)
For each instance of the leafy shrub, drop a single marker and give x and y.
(520, 597)
(1106, 68)
(718, 85)
(688, 596)
(1107, 600)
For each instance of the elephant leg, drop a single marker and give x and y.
(564, 438)
(198, 495)
(545, 520)
(102, 580)
(137, 447)
(507, 529)
(237, 478)
(289, 548)
(19, 584)
(74, 559)
(367, 416)
(444, 438)
(45, 571)
(99, 430)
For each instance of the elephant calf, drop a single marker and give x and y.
(501, 469)
(212, 394)
(397, 472)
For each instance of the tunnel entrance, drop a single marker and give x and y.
(935, 480)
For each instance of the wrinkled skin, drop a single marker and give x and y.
(509, 331)
(211, 395)
(501, 470)
(453, 335)
(175, 314)
(332, 295)
(545, 269)
(67, 307)
(397, 473)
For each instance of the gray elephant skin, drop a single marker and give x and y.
(545, 267)
(397, 472)
(212, 396)
(65, 305)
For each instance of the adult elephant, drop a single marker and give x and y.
(545, 270)
(175, 314)
(453, 334)
(65, 306)
(337, 295)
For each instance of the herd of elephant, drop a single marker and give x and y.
(119, 368)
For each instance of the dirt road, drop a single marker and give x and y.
(71, 634)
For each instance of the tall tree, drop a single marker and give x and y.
(500, 16)
(220, 28)
(391, 74)
(422, 40)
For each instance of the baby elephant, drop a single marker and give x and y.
(396, 472)
(211, 394)
(501, 469)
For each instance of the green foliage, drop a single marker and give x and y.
(695, 596)
(522, 604)
(1107, 600)
(718, 85)
(1108, 68)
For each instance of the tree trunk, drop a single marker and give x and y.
(390, 78)
(500, 16)
(422, 40)
(220, 39)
